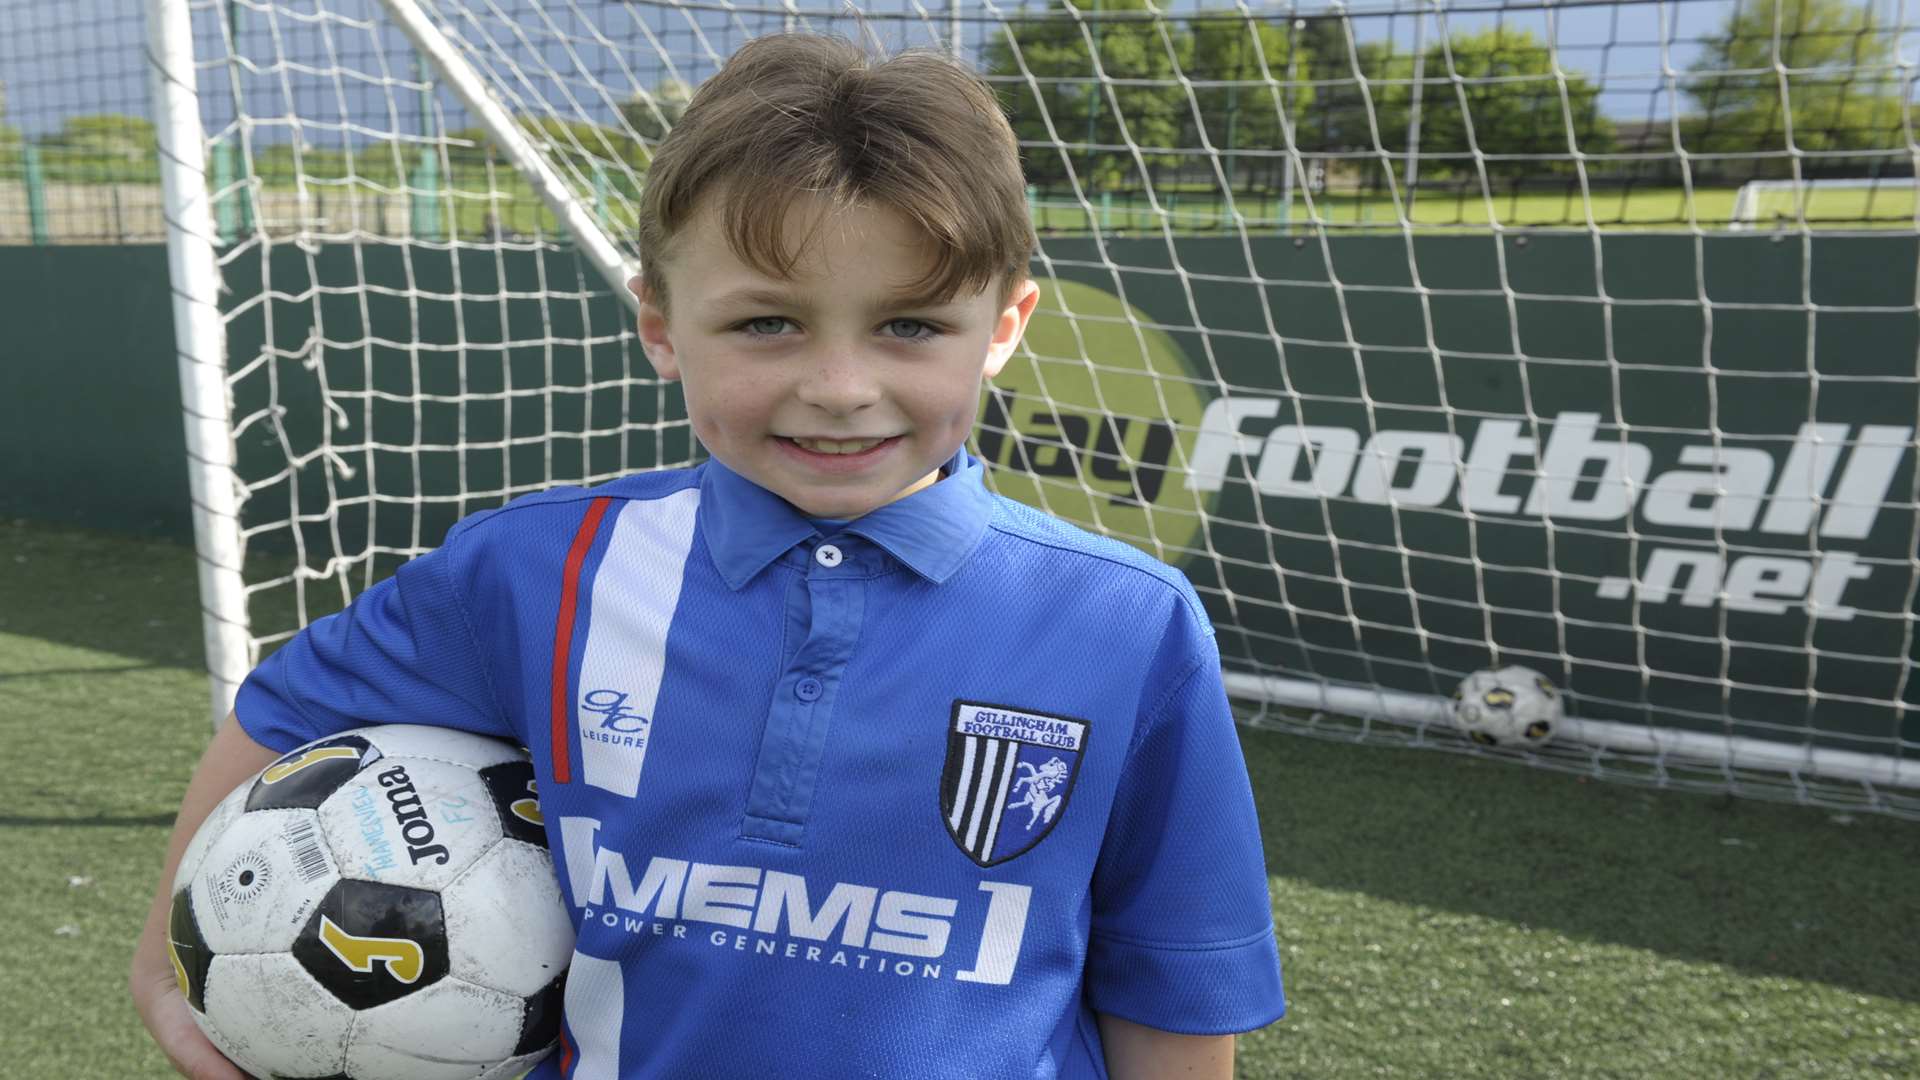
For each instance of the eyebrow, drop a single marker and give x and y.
(754, 296)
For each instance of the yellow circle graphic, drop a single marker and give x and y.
(1093, 421)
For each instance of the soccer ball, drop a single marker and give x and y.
(1513, 706)
(376, 905)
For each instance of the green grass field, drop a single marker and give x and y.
(1439, 916)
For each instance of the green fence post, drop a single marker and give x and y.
(226, 204)
(1033, 206)
(36, 192)
(233, 215)
(1106, 211)
(601, 195)
(425, 206)
(426, 223)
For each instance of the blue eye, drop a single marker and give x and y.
(909, 330)
(768, 326)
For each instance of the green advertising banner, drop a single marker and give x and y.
(1674, 473)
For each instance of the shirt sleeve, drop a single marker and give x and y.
(404, 652)
(1182, 935)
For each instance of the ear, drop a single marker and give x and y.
(655, 336)
(1011, 326)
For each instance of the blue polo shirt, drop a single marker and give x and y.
(916, 799)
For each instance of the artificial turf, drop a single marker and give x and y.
(1438, 916)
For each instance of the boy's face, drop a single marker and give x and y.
(833, 390)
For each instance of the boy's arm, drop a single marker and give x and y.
(229, 760)
(1137, 1052)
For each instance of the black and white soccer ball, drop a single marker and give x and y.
(378, 905)
(1513, 706)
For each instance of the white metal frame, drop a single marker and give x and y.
(466, 84)
(200, 345)
(1726, 751)
(1746, 201)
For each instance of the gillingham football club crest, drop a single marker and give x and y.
(1007, 778)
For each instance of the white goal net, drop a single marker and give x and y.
(1425, 337)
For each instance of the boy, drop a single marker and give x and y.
(849, 767)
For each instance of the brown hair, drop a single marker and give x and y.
(802, 114)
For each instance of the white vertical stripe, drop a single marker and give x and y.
(966, 786)
(999, 808)
(634, 596)
(1000, 939)
(596, 1004)
(980, 798)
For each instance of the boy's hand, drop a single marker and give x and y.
(230, 759)
(156, 995)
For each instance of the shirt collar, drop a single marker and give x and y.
(931, 531)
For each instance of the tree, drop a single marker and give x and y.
(651, 114)
(105, 135)
(1247, 117)
(1834, 99)
(104, 146)
(1503, 83)
(1092, 131)
(1342, 113)
(583, 142)
(576, 144)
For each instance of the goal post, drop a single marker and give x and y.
(1799, 203)
(1423, 337)
(553, 190)
(200, 345)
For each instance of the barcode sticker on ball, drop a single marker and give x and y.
(308, 860)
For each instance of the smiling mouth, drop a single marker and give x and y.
(837, 447)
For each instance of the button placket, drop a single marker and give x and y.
(825, 610)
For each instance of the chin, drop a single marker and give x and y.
(837, 512)
(817, 506)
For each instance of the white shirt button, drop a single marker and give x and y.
(827, 555)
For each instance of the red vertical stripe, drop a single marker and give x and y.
(566, 1052)
(563, 639)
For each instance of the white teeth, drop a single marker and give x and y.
(830, 446)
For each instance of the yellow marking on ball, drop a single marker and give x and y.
(404, 959)
(278, 772)
(179, 969)
(528, 809)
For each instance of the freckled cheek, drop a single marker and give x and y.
(723, 407)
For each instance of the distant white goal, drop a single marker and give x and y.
(1803, 203)
(1420, 336)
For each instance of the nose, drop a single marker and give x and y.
(839, 381)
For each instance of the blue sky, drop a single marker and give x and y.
(65, 57)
